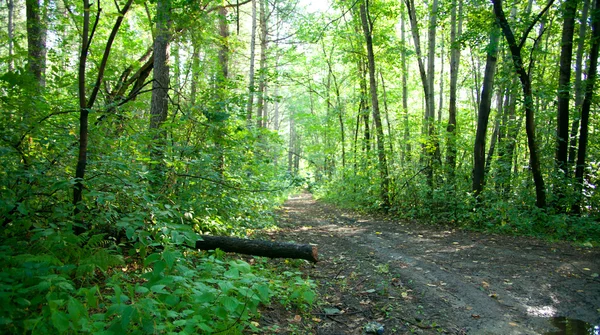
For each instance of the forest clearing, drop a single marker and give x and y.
(299, 167)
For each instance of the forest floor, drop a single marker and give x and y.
(415, 278)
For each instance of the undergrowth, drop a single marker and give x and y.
(451, 205)
(59, 283)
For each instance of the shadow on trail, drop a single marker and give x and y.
(412, 278)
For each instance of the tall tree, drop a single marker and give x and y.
(516, 49)
(251, 89)
(578, 80)
(407, 146)
(427, 83)
(383, 168)
(11, 32)
(36, 41)
(456, 20)
(587, 102)
(484, 113)
(85, 103)
(159, 105)
(261, 115)
(569, 8)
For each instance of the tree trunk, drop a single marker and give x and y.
(578, 80)
(250, 104)
(455, 34)
(427, 89)
(83, 115)
(364, 106)
(387, 114)
(483, 115)
(587, 102)
(564, 82)
(36, 41)
(383, 168)
(159, 104)
(261, 114)
(407, 147)
(11, 30)
(515, 50)
(85, 105)
(259, 247)
(495, 133)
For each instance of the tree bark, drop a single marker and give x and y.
(250, 104)
(578, 79)
(259, 247)
(455, 33)
(483, 115)
(407, 147)
(427, 90)
(383, 168)
(564, 83)
(36, 41)
(387, 115)
(85, 105)
(515, 49)
(83, 115)
(261, 114)
(11, 30)
(587, 103)
(159, 105)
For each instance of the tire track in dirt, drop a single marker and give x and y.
(418, 279)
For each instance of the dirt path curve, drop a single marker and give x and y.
(418, 279)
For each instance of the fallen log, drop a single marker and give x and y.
(258, 247)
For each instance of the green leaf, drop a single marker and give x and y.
(126, 315)
(263, 292)
(179, 323)
(151, 259)
(169, 256)
(232, 273)
(60, 320)
(230, 303)
(172, 300)
(141, 289)
(158, 289)
(76, 309)
(308, 296)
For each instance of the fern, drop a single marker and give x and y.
(101, 259)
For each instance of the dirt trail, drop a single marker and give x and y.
(420, 279)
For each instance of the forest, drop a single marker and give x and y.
(129, 128)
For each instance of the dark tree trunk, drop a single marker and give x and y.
(564, 83)
(383, 168)
(578, 80)
(85, 105)
(259, 247)
(83, 114)
(587, 102)
(515, 49)
(455, 33)
(159, 104)
(484, 113)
